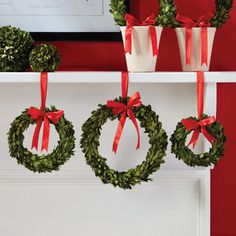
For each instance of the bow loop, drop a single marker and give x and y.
(131, 20)
(186, 21)
(204, 20)
(190, 124)
(208, 121)
(35, 113)
(54, 116)
(150, 20)
(117, 107)
(134, 101)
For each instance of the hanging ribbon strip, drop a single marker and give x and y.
(43, 117)
(200, 126)
(131, 22)
(125, 110)
(203, 22)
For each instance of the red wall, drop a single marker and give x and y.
(109, 56)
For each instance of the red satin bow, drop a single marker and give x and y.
(41, 116)
(198, 127)
(45, 117)
(202, 22)
(125, 110)
(131, 22)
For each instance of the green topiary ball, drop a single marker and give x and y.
(15, 47)
(44, 57)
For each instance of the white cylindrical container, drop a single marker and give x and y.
(195, 62)
(141, 59)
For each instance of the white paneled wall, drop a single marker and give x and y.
(72, 201)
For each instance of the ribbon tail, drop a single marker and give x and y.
(153, 35)
(46, 132)
(128, 40)
(200, 93)
(194, 138)
(204, 46)
(43, 88)
(188, 45)
(133, 119)
(35, 139)
(208, 136)
(119, 132)
(124, 84)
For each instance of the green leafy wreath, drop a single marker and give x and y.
(154, 158)
(182, 152)
(167, 13)
(43, 163)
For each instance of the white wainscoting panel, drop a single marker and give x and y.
(73, 202)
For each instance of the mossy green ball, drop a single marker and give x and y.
(15, 47)
(44, 57)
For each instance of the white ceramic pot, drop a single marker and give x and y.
(195, 63)
(141, 58)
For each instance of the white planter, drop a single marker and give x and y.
(195, 63)
(141, 58)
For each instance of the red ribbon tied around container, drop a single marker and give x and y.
(200, 126)
(203, 22)
(125, 110)
(131, 22)
(43, 117)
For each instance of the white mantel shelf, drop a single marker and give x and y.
(114, 77)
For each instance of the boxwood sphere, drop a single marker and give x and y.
(15, 47)
(45, 57)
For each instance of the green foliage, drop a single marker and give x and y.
(182, 152)
(118, 10)
(43, 163)
(165, 18)
(154, 158)
(167, 13)
(15, 47)
(44, 57)
(223, 8)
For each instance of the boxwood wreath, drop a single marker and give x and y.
(167, 13)
(43, 163)
(166, 16)
(149, 120)
(182, 152)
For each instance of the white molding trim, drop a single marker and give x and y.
(114, 77)
(10, 176)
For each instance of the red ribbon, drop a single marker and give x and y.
(43, 117)
(199, 126)
(125, 110)
(131, 22)
(202, 22)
